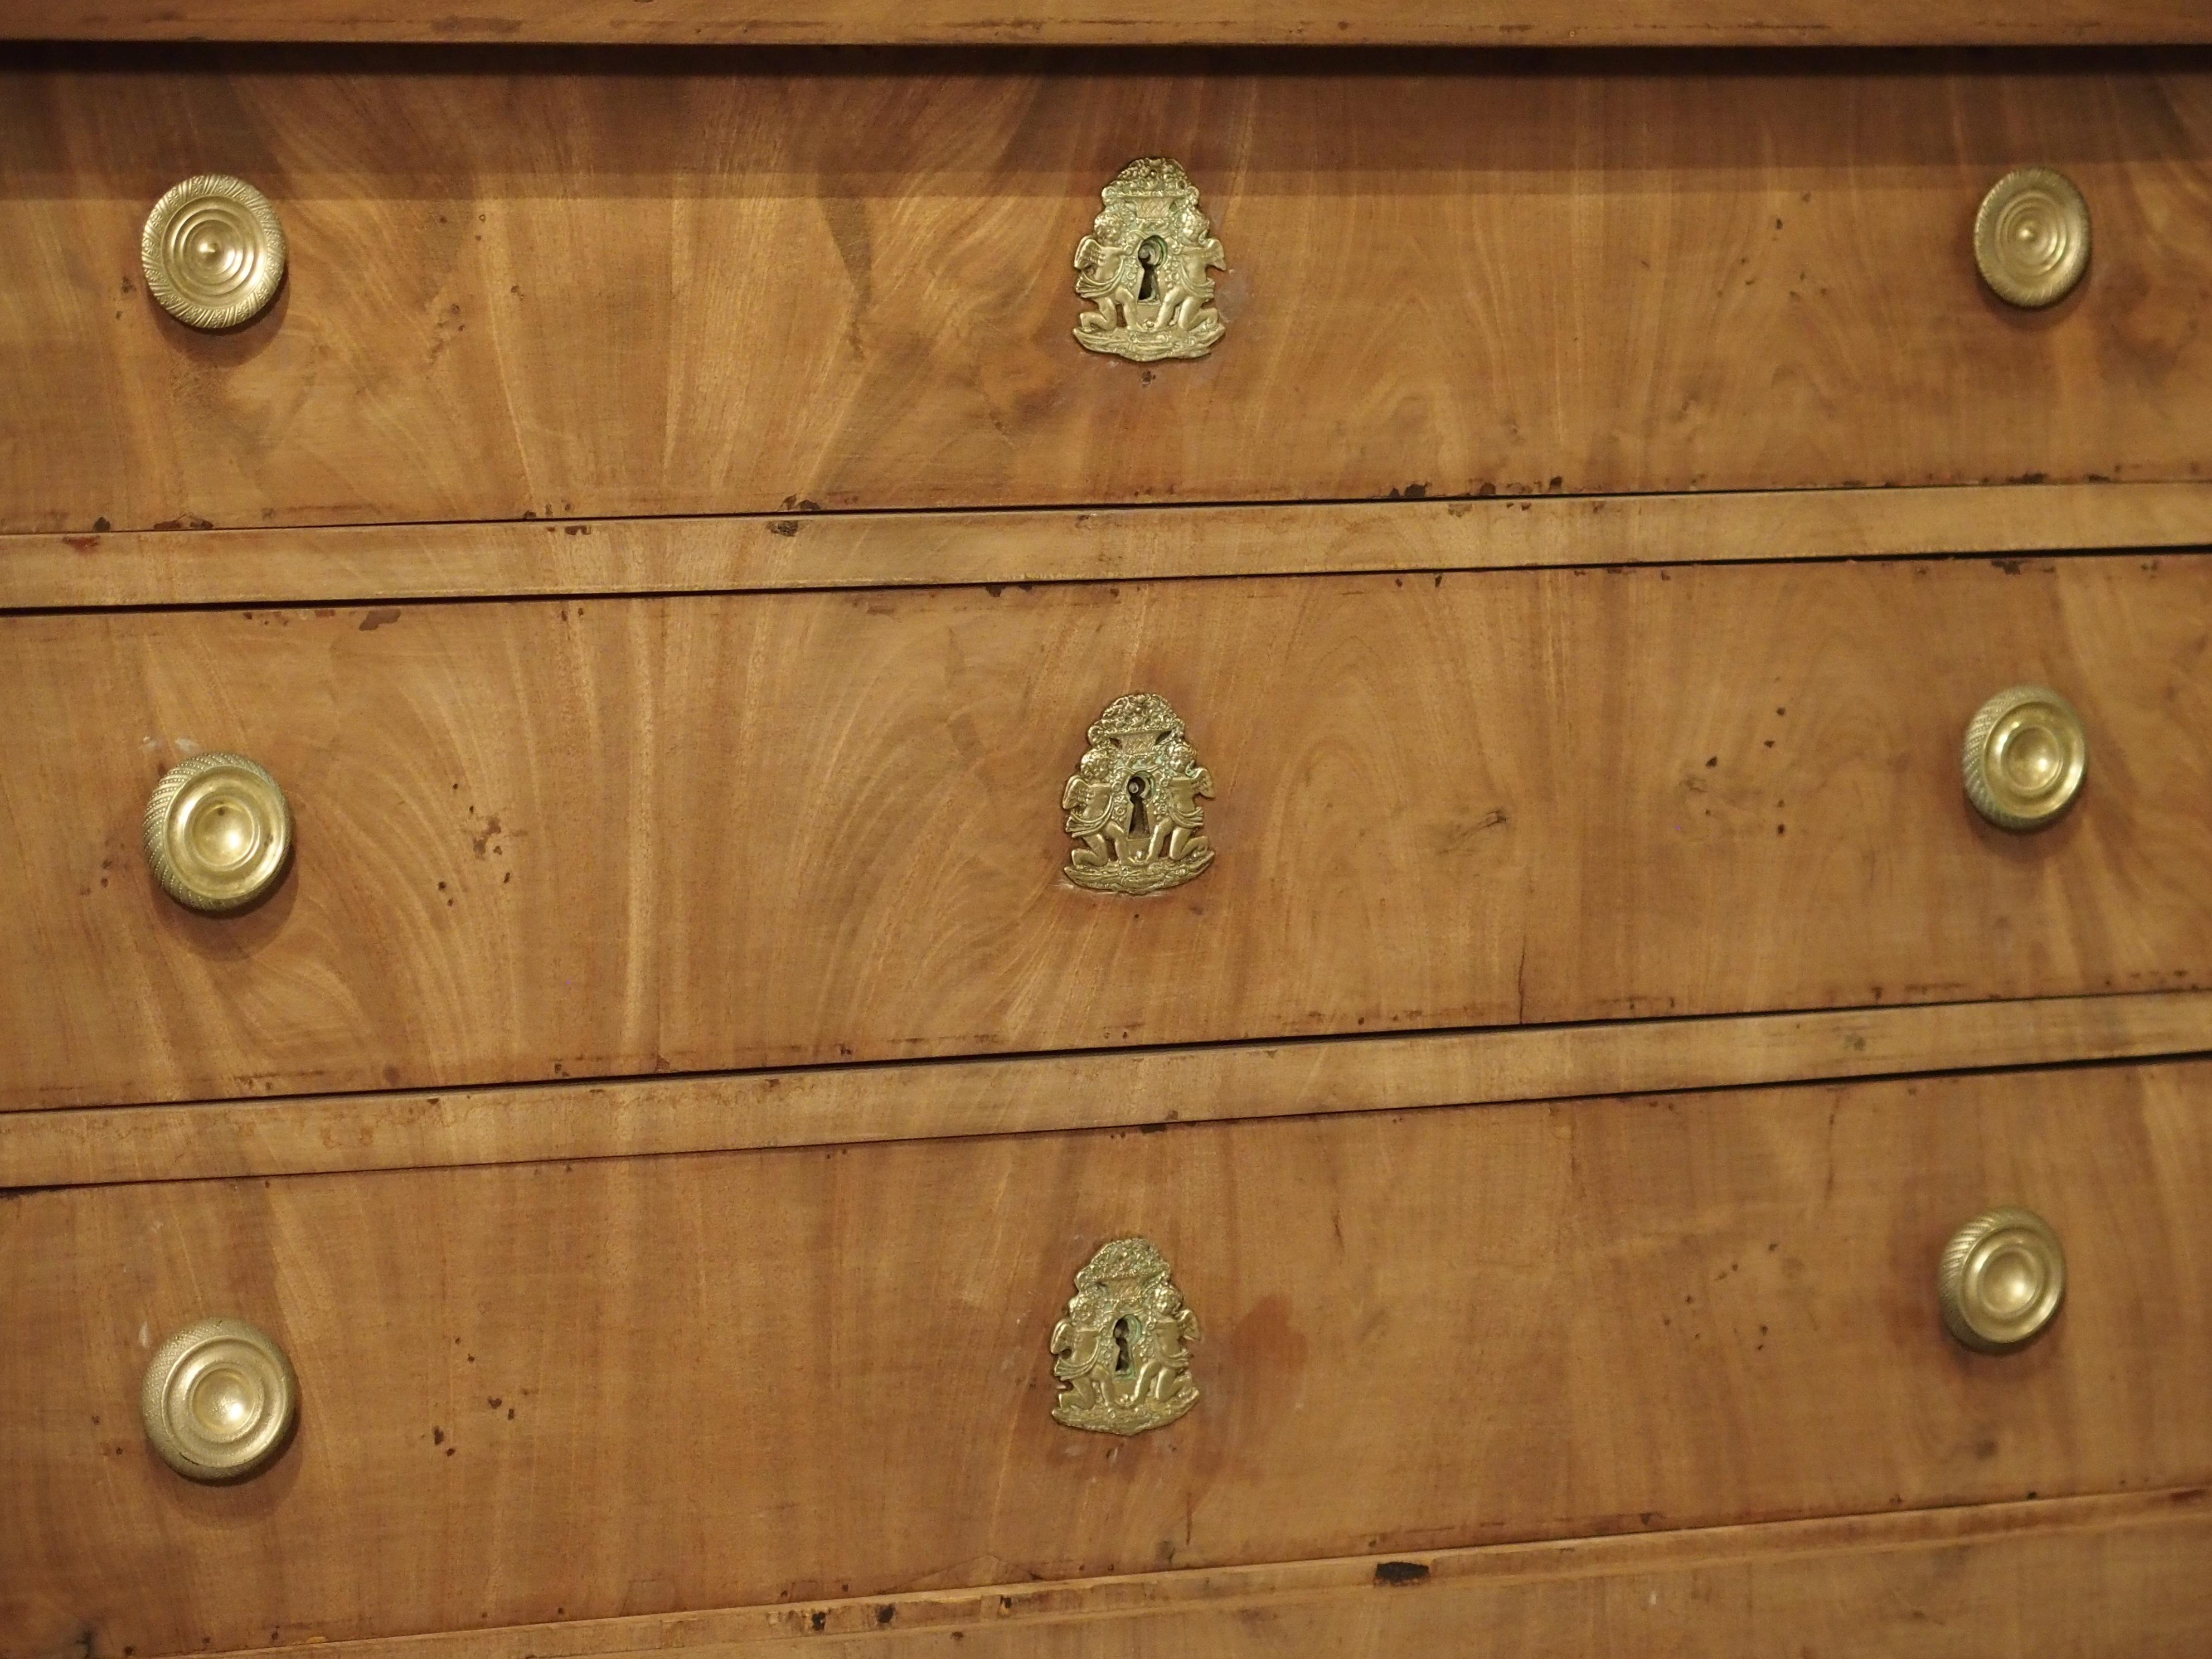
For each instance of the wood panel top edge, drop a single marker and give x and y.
(1494, 23)
(610, 558)
(574, 1121)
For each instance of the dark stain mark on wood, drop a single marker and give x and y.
(1401, 1572)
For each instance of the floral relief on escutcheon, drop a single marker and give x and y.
(1122, 1355)
(1132, 804)
(1144, 267)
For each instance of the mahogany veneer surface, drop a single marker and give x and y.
(561, 1391)
(615, 837)
(570, 285)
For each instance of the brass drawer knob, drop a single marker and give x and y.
(220, 1401)
(1122, 1355)
(214, 251)
(2031, 237)
(2001, 1278)
(2026, 756)
(218, 832)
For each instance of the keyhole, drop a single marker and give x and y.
(1150, 252)
(1138, 821)
(1121, 1346)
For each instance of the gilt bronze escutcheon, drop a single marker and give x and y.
(1121, 1356)
(1144, 268)
(1132, 804)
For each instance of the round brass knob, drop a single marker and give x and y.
(2001, 1278)
(213, 251)
(218, 831)
(2031, 237)
(2026, 756)
(220, 1401)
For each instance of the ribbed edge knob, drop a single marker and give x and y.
(218, 832)
(2026, 756)
(213, 252)
(2031, 237)
(2001, 1279)
(220, 1401)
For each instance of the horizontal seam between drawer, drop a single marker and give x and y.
(1678, 1550)
(551, 1130)
(1685, 518)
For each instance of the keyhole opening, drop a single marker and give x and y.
(1121, 1346)
(1150, 252)
(1139, 820)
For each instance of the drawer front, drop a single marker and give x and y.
(612, 838)
(550, 1391)
(749, 284)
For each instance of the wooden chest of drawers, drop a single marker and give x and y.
(1509, 951)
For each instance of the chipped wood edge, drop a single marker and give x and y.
(368, 563)
(1293, 1584)
(928, 1099)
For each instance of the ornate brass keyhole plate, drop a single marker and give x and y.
(1121, 1356)
(1132, 804)
(1144, 267)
